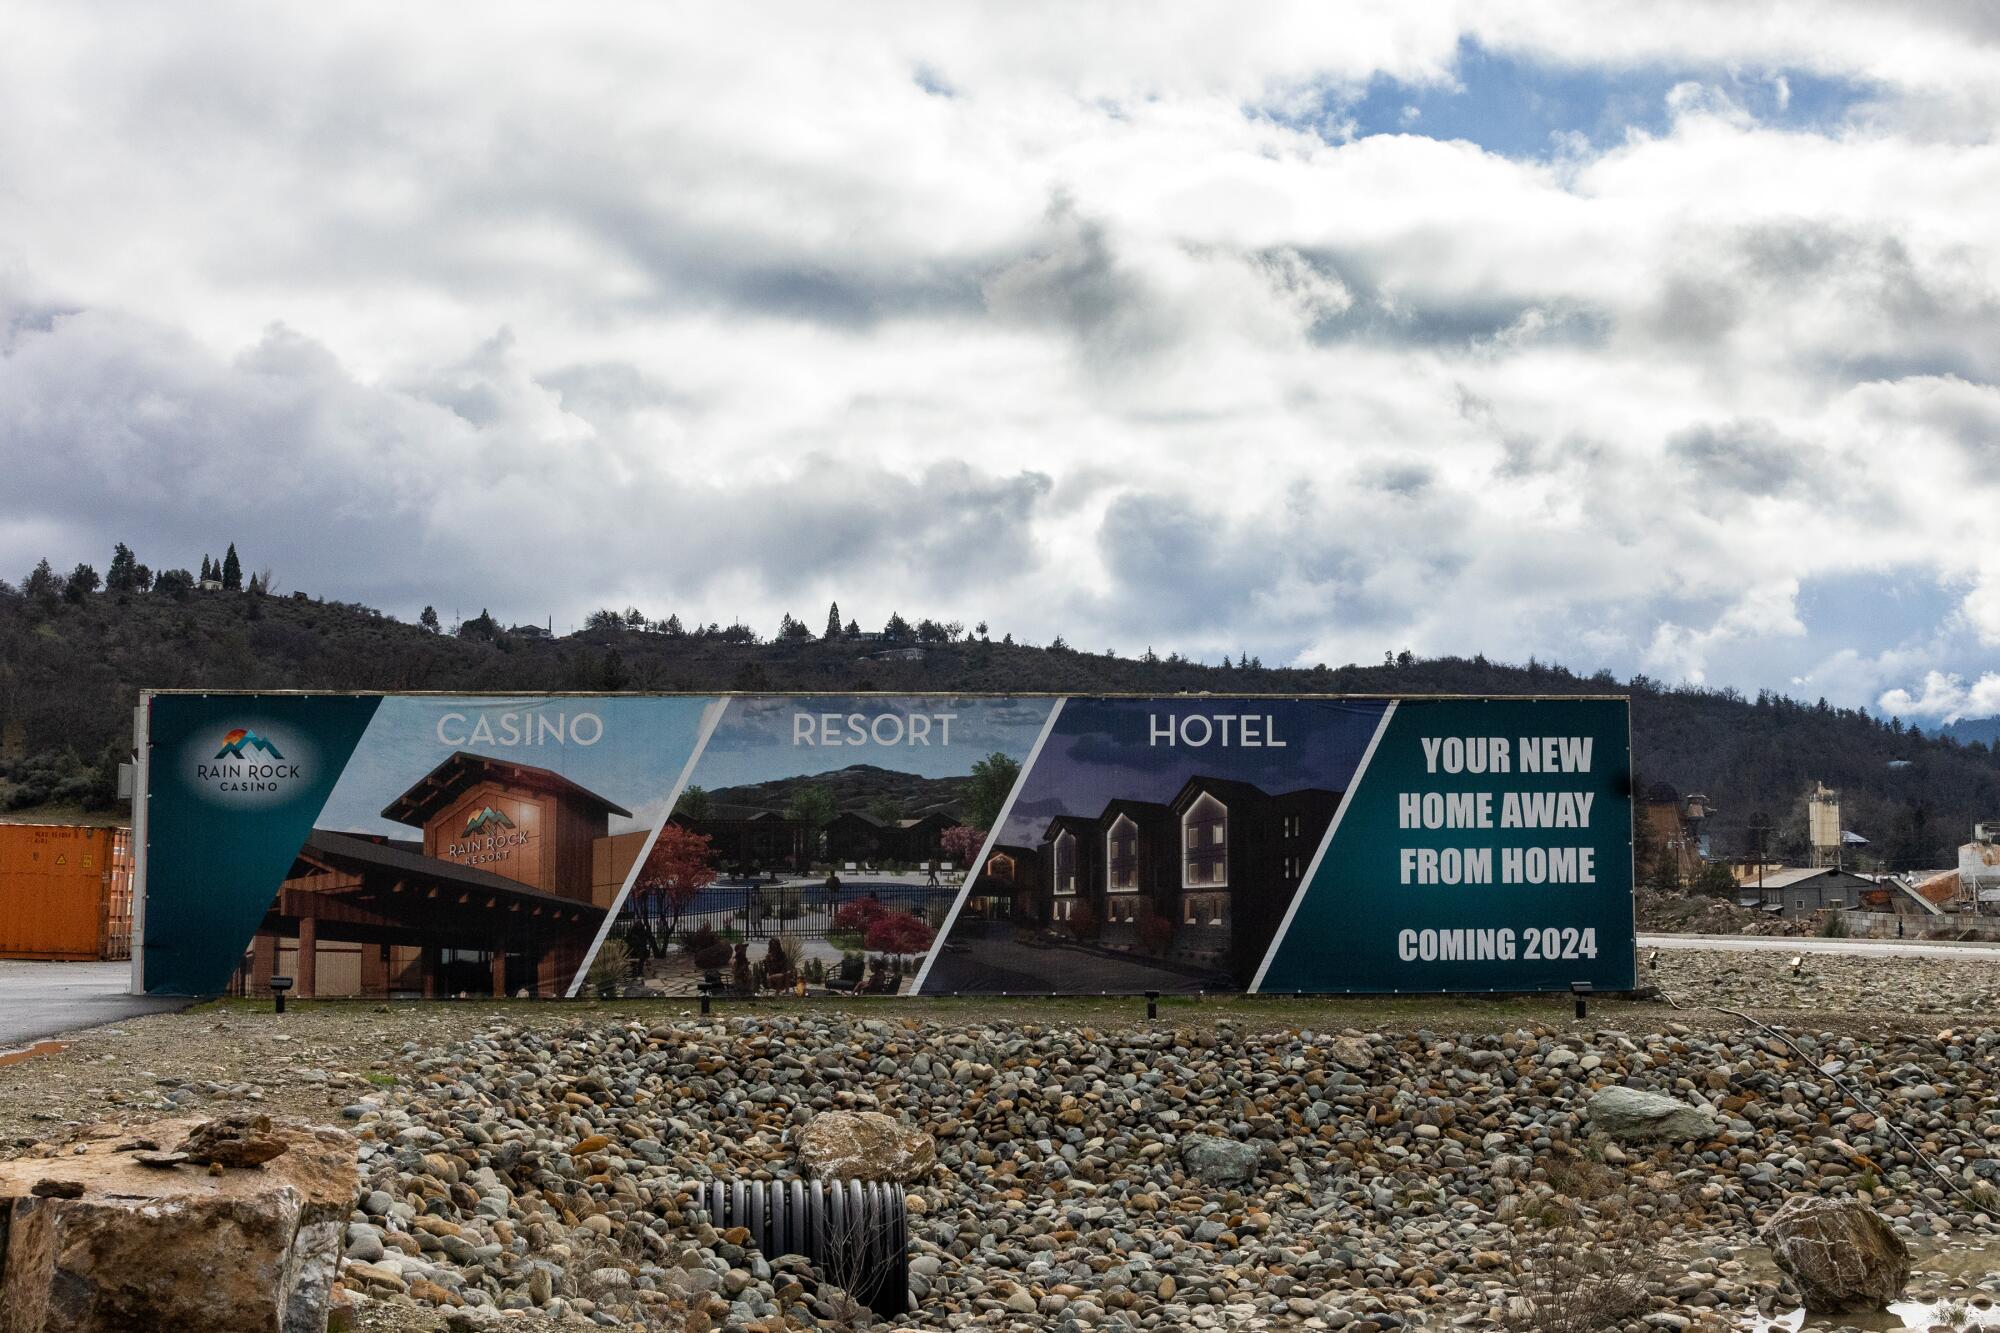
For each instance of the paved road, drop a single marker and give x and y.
(48, 999)
(1815, 944)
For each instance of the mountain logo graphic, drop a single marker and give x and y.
(487, 818)
(240, 740)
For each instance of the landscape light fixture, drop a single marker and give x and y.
(1580, 990)
(1152, 1004)
(279, 985)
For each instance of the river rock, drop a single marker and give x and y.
(1218, 1161)
(865, 1145)
(1840, 1253)
(1638, 1116)
(176, 1251)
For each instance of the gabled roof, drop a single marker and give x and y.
(1227, 790)
(463, 769)
(347, 849)
(1140, 811)
(1067, 824)
(1790, 875)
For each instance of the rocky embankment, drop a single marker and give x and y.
(1159, 1179)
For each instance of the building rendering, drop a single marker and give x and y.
(1209, 874)
(505, 885)
(1071, 856)
(745, 842)
(1008, 885)
(866, 839)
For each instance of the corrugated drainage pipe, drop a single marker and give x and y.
(856, 1232)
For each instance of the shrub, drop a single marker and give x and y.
(1833, 926)
(700, 938)
(610, 970)
(857, 914)
(898, 933)
(1156, 933)
(1083, 922)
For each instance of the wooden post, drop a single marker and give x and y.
(263, 961)
(499, 973)
(430, 966)
(308, 957)
(374, 970)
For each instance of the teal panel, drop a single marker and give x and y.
(1479, 902)
(235, 782)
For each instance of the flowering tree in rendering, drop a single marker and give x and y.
(679, 867)
(962, 842)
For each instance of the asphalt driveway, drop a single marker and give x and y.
(40, 1000)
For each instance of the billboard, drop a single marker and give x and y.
(651, 845)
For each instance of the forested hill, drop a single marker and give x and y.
(73, 661)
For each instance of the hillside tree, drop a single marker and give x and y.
(232, 571)
(81, 583)
(832, 621)
(429, 620)
(41, 585)
(122, 574)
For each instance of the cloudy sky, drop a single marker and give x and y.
(1655, 337)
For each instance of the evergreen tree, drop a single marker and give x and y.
(672, 629)
(41, 583)
(82, 582)
(207, 569)
(898, 629)
(429, 619)
(232, 571)
(853, 629)
(123, 573)
(833, 621)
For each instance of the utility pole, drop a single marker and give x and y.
(1760, 834)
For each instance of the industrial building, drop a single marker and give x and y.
(1798, 890)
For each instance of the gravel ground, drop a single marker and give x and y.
(1361, 1164)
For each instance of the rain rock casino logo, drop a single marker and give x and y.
(484, 819)
(247, 764)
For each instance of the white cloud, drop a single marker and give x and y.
(1118, 327)
(1945, 697)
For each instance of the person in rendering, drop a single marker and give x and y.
(931, 868)
(832, 890)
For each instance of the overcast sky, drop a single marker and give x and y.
(1660, 337)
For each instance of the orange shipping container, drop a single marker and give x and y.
(65, 891)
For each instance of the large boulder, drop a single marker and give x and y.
(99, 1241)
(1839, 1253)
(1214, 1160)
(1637, 1116)
(865, 1145)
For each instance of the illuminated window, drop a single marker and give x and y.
(1205, 830)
